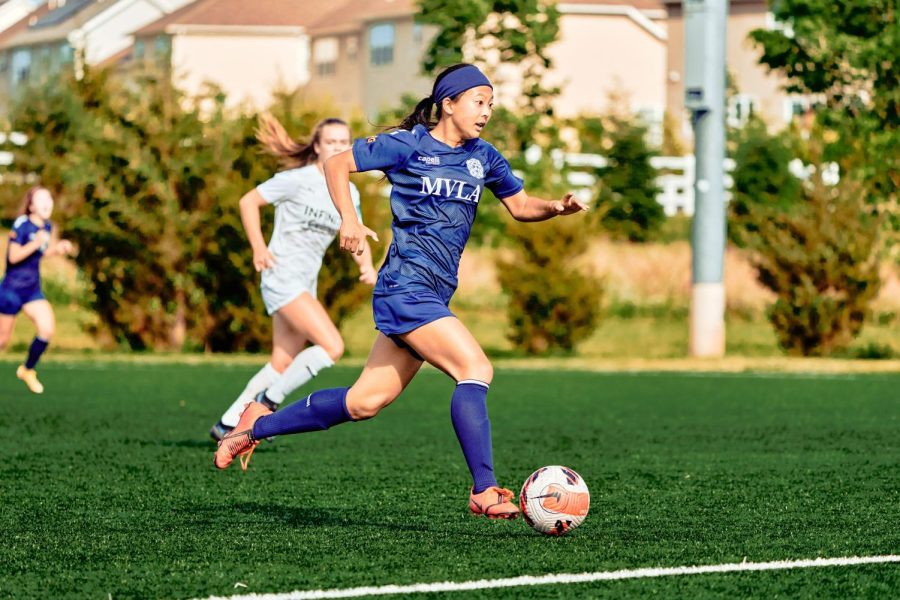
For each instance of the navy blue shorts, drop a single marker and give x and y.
(401, 313)
(12, 299)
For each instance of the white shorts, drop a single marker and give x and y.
(279, 290)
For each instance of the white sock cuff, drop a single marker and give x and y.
(317, 359)
(473, 382)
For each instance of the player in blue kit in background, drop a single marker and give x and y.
(20, 290)
(438, 171)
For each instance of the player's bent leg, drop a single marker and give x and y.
(448, 345)
(41, 313)
(6, 328)
(286, 343)
(308, 318)
(388, 371)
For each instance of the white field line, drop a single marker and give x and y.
(565, 578)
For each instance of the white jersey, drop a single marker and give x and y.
(306, 222)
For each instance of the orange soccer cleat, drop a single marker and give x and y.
(29, 376)
(240, 441)
(494, 503)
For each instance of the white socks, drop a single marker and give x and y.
(264, 378)
(305, 366)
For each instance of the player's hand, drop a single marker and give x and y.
(263, 259)
(368, 275)
(353, 236)
(569, 205)
(42, 237)
(65, 247)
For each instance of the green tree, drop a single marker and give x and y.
(761, 176)
(148, 181)
(814, 245)
(552, 303)
(626, 203)
(845, 53)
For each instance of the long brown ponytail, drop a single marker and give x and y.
(291, 154)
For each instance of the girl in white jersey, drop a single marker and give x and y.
(306, 223)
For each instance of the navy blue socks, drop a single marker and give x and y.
(37, 348)
(468, 410)
(318, 411)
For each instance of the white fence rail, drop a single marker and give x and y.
(676, 182)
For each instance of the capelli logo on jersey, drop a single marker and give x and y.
(450, 188)
(430, 160)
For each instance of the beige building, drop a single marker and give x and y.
(610, 47)
(368, 53)
(248, 48)
(759, 92)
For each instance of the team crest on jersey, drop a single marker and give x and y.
(475, 168)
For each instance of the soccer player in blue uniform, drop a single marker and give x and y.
(438, 171)
(20, 290)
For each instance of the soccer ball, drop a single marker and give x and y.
(554, 500)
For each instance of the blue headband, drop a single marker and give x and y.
(458, 81)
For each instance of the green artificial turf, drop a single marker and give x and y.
(108, 489)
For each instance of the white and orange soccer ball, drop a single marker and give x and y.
(554, 500)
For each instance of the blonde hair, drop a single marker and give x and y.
(291, 154)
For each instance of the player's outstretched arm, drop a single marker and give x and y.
(337, 175)
(530, 208)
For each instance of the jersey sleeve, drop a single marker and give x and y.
(279, 188)
(354, 195)
(22, 228)
(500, 178)
(384, 152)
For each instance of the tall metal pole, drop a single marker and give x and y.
(705, 25)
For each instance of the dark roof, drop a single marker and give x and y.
(61, 14)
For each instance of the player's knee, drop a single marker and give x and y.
(334, 348)
(46, 332)
(367, 407)
(280, 362)
(479, 370)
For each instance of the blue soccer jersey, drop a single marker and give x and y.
(435, 194)
(27, 272)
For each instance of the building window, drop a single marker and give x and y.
(740, 108)
(66, 54)
(381, 44)
(795, 106)
(417, 33)
(325, 55)
(4, 62)
(162, 46)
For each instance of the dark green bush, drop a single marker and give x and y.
(552, 304)
(821, 260)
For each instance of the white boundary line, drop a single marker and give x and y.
(563, 578)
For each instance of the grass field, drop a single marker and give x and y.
(108, 490)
